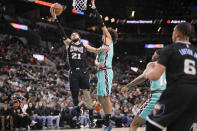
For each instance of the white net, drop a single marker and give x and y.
(79, 5)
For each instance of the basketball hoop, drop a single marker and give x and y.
(79, 5)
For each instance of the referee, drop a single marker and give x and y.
(177, 109)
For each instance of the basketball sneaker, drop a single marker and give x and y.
(107, 128)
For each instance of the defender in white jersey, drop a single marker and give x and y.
(157, 87)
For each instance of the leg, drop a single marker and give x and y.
(130, 119)
(26, 122)
(21, 120)
(104, 89)
(185, 121)
(150, 127)
(100, 100)
(124, 120)
(85, 86)
(107, 108)
(74, 86)
(17, 122)
(3, 122)
(33, 118)
(49, 120)
(43, 120)
(83, 120)
(106, 104)
(68, 118)
(145, 110)
(39, 119)
(84, 80)
(104, 86)
(86, 120)
(167, 111)
(136, 123)
(11, 123)
(57, 118)
(88, 100)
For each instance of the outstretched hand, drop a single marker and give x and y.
(105, 48)
(124, 89)
(93, 4)
(101, 64)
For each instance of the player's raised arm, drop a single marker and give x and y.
(95, 50)
(108, 38)
(66, 40)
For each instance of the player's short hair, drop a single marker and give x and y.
(113, 34)
(186, 29)
(158, 51)
(76, 33)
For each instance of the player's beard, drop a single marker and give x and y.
(75, 40)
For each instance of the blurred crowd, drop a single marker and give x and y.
(34, 98)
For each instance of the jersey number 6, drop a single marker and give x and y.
(189, 67)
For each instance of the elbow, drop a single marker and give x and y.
(155, 74)
(108, 36)
(154, 77)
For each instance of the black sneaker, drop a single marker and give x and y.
(92, 124)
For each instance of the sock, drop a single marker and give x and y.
(78, 111)
(107, 119)
(91, 115)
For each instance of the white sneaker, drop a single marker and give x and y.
(33, 123)
(28, 127)
(44, 127)
(107, 128)
(87, 126)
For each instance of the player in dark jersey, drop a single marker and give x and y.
(79, 76)
(176, 108)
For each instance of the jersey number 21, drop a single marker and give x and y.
(76, 56)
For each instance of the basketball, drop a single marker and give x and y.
(58, 8)
(97, 107)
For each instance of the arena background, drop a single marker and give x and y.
(33, 64)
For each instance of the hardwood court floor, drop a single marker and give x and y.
(99, 129)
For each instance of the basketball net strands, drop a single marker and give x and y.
(79, 5)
